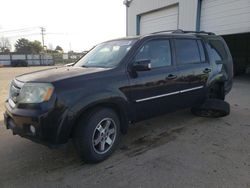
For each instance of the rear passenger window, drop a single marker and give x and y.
(218, 51)
(187, 51)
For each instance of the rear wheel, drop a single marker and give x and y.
(97, 135)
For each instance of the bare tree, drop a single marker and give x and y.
(5, 45)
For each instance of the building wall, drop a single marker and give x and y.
(220, 16)
(187, 12)
(225, 16)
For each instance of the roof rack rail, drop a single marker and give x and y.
(164, 31)
(183, 32)
(199, 32)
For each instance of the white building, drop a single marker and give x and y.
(229, 18)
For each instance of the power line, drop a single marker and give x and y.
(32, 34)
(57, 34)
(19, 30)
(22, 35)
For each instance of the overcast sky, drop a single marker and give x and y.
(75, 24)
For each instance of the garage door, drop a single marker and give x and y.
(225, 16)
(164, 19)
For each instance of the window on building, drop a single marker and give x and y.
(157, 51)
(187, 51)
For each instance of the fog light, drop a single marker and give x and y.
(32, 129)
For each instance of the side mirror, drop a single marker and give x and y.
(142, 65)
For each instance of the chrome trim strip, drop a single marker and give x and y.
(168, 94)
(158, 96)
(191, 89)
(18, 83)
(11, 102)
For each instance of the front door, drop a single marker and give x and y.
(153, 92)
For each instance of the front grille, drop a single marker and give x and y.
(15, 88)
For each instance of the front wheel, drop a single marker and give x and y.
(97, 135)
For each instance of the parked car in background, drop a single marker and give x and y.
(117, 83)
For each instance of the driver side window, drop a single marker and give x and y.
(157, 51)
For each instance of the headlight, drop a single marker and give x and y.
(35, 92)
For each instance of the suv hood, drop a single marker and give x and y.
(56, 74)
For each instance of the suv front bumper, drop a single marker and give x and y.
(47, 128)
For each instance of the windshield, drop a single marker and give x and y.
(106, 55)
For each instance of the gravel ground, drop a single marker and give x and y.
(175, 150)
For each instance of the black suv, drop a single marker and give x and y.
(117, 83)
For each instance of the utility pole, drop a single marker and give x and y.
(43, 30)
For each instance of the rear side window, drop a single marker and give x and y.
(218, 51)
(187, 51)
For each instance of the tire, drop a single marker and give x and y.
(213, 108)
(97, 135)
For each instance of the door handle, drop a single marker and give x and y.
(207, 70)
(171, 76)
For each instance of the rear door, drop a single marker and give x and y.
(194, 70)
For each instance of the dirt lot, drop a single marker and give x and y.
(175, 150)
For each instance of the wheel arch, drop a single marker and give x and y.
(117, 104)
(217, 84)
